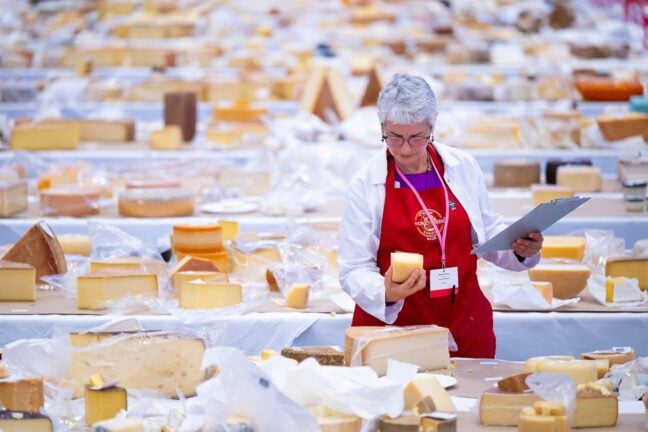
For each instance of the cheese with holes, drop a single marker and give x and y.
(617, 127)
(167, 138)
(297, 296)
(403, 264)
(18, 281)
(94, 290)
(104, 404)
(595, 408)
(617, 355)
(75, 244)
(620, 290)
(514, 383)
(21, 421)
(209, 294)
(13, 197)
(497, 408)
(568, 280)
(630, 268)
(161, 362)
(580, 178)
(26, 394)
(220, 259)
(428, 386)
(44, 137)
(197, 238)
(424, 346)
(516, 173)
(150, 203)
(70, 201)
(545, 193)
(119, 424)
(39, 248)
(545, 289)
(180, 278)
(571, 247)
(580, 371)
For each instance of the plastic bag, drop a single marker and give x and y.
(67, 282)
(524, 296)
(631, 379)
(554, 387)
(599, 245)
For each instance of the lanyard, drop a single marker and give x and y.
(442, 237)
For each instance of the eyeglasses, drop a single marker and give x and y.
(413, 141)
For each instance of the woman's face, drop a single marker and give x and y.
(407, 143)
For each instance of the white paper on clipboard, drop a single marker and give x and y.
(538, 219)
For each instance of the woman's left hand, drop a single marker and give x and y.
(528, 246)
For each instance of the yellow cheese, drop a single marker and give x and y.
(326, 92)
(546, 193)
(545, 289)
(209, 294)
(119, 424)
(438, 422)
(164, 202)
(615, 356)
(180, 278)
(533, 364)
(219, 259)
(544, 416)
(197, 238)
(268, 353)
(20, 421)
(403, 264)
(230, 229)
(26, 394)
(595, 408)
(167, 138)
(620, 290)
(297, 296)
(95, 130)
(631, 268)
(580, 371)
(241, 111)
(516, 173)
(96, 381)
(4, 373)
(334, 421)
(580, 178)
(44, 137)
(18, 281)
(133, 264)
(423, 387)
(503, 409)
(104, 404)
(189, 263)
(70, 201)
(95, 289)
(75, 244)
(568, 280)
(13, 197)
(571, 247)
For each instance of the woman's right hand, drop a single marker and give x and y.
(395, 291)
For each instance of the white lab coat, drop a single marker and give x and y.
(361, 223)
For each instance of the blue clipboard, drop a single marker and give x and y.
(538, 219)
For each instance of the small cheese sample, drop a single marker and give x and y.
(197, 238)
(595, 407)
(514, 383)
(422, 387)
(70, 201)
(545, 289)
(139, 361)
(26, 394)
(571, 247)
(424, 346)
(620, 290)
(497, 408)
(580, 178)
(18, 281)
(104, 404)
(580, 371)
(568, 280)
(94, 290)
(75, 244)
(23, 421)
(617, 355)
(180, 278)
(150, 203)
(326, 356)
(438, 422)
(200, 294)
(118, 424)
(297, 296)
(617, 127)
(230, 229)
(39, 248)
(545, 193)
(403, 264)
(13, 197)
(516, 173)
(545, 416)
(631, 268)
(167, 138)
(44, 137)
(220, 259)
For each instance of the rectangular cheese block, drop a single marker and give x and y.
(94, 290)
(541, 423)
(297, 296)
(403, 264)
(97, 130)
(580, 371)
(617, 127)
(424, 346)
(545, 289)
(104, 404)
(25, 394)
(503, 409)
(44, 137)
(180, 278)
(13, 197)
(620, 290)
(119, 425)
(568, 280)
(630, 268)
(427, 387)
(167, 138)
(76, 244)
(571, 247)
(161, 362)
(199, 294)
(127, 263)
(516, 173)
(197, 238)
(21, 421)
(190, 263)
(546, 193)
(180, 109)
(326, 356)
(18, 281)
(580, 178)
(594, 409)
(615, 356)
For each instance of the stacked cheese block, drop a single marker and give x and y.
(561, 280)
(22, 398)
(232, 122)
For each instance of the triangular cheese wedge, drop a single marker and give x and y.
(39, 248)
(327, 96)
(374, 87)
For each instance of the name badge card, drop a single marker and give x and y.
(442, 281)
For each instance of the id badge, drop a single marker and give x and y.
(443, 280)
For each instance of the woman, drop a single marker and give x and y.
(423, 197)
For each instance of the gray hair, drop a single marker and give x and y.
(407, 99)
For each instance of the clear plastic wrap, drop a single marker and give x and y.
(524, 296)
(554, 387)
(630, 379)
(599, 245)
(632, 296)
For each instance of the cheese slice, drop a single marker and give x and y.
(190, 263)
(104, 404)
(26, 394)
(197, 238)
(580, 371)
(503, 409)
(75, 244)
(209, 294)
(516, 173)
(620, 290)
(119, 424)
(20, 421)
(18, 281)
(94, 290)
(44, 137)
(180, 278)
(326, 90)
(326, 356)
(427, 387)
(403, 264)
(571, 247)
(70, 201)
(424, 346)
(580, 178)
(514, 383)
(595, 409)
(546, 193)
(545, 289)
(13, 197)
(297, 296)
(631, 268)
(167, 138)
(568, 280)
(39, 248)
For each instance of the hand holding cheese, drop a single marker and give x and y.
(395, 291)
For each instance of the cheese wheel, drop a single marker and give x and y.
(197, 238)
(580, 371)
(72, 201)
(146, 203)
(568, 280)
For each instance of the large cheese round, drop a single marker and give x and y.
(516, 173)
(580, 371)
(156, 203)
(568, 280)
(72, 201)
(197, 238)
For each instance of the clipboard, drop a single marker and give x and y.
(538, 219)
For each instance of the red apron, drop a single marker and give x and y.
(405, 228)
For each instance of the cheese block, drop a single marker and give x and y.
(18, 281)
(617, 127)
(39, 248)
(552, 165)
(438, 422)
(44, 137)
(620, 290)
(403, 264)
(427, 387)
(514, 383)
(75, 244)
(546, 193)
(13, 197)
(607, 89)
(533, 364)
(493, 132)
(326, 356)
(516, 173)
(22, 421)
(630, 268)
(595, 407)
(568, 280)
(119, 424)
(180, 109)
(180, 278)
(297, 296)
(230, 229)
(240, 111)
(209, 294)
(220, 259)
(167, 138)
(424, 346)
(104, 403)
(326, 94)
(94, 290)
(541, 419)
(150, 203)
(339, 423)
(403, 423)
(140, 361)
(26, 394)
(497, 408)
(190, 263)
(97, 130)
(70, 201)
(545, 289)
(580, 178)
(571, 247)
(617, 355)
(580, 371)
(197, 238)
(152, 183)
(4, 373)
(133, 264)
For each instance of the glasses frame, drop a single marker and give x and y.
(400, 140)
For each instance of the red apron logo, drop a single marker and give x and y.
(424, 226)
